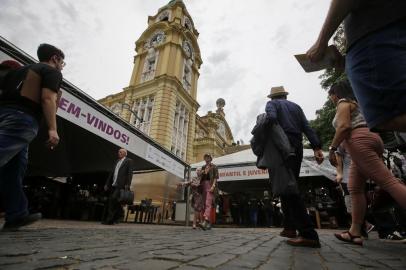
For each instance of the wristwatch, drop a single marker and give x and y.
(332, 148)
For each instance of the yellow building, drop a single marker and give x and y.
(161, 98)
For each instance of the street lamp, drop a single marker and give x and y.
(128, 107)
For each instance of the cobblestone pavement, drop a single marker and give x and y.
(83, 245)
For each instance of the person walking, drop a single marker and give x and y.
(208, 183)
(29, 94)
(119, 178)
(196, 198)
(366, 149)
(343, 169)
(375, 62)
(291, 118)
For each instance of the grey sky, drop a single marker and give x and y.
(246, 46)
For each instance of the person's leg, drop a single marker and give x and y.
(12, 194)
(298, 211)
(208, 203)
(287, 221)
(112, 207)
(356, 187)
(302, 220)
(195, 218)
(367, 154)
(17, 130)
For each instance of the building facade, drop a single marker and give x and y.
(161, 99)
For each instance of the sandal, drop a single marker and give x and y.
(351, 240)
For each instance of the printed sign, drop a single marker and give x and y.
(253, 173)
(76, 111)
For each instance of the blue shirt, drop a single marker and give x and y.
(293, 121)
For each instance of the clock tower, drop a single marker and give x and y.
(161, 97)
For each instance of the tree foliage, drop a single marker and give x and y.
(324, 116)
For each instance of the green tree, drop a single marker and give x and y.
(324, 116)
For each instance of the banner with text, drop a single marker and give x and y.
(253, 173)
(76, 111)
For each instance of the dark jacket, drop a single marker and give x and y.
(264, 131)
(124, 176)
(275, 153)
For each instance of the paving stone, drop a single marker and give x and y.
(212, 260)
(86, 245)
(341, 266)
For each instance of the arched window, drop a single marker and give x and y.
(148, 72)
(180, 130)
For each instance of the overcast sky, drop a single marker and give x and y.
(247, 47)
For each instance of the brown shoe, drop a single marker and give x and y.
(303, 242)
(288, 233)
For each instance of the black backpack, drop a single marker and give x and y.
(7, 73)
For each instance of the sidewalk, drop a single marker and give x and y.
(53, 244)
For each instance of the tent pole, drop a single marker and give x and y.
(188, 175)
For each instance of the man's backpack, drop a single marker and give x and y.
(7, 70)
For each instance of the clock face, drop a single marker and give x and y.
(157, 39)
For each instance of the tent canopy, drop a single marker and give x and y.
(90, 135)
(241, 166)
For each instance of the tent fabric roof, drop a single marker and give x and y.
(247, 158)
(242, 157)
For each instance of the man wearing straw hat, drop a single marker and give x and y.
(291, 118)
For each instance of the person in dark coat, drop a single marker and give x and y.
(292, 120)
(119, 178)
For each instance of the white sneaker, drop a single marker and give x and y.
(394, 237)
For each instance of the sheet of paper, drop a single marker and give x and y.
(309, 66)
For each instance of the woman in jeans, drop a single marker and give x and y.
(366, 149)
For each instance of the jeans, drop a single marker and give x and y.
(376, 66)
(17, 130)
(295, 215)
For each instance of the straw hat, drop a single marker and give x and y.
(278, 91)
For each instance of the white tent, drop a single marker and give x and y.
(241, 166)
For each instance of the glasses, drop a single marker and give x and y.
(60, 60)
(63, 63)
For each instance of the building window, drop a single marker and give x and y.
(148, 72)
(164, 16)
(188, 24)
(180, 130)
(143, 107)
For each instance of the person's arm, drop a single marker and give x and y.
(129, 173)
(339, 9)
(109, 179)
(216, 177)
(313, 139)
(343, 129)
(48, 104)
